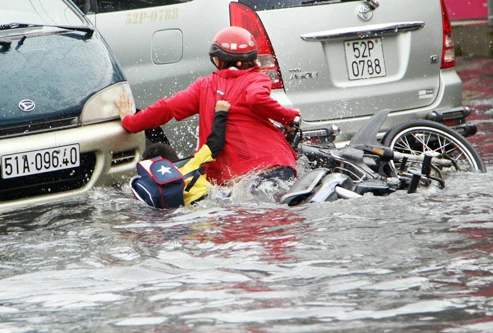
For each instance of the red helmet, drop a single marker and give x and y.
(234, 44)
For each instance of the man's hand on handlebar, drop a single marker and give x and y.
(294, 125)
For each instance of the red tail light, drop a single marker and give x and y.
(245, 17)
(448, 52)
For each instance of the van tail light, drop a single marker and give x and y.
(448, 51)
(243, 16)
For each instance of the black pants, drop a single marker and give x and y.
(284, 173)
(275, 179)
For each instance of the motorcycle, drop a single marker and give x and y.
(411, 155)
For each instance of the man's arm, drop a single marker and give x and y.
(183, 104)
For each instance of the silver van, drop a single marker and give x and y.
(60, 133)
(338, 61)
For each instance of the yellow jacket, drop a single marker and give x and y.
(199, 189)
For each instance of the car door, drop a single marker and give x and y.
(162, 46)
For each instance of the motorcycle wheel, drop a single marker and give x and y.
(420, 136)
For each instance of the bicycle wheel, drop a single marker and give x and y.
(420, 136)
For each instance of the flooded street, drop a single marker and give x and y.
(404, 263)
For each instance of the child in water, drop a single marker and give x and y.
(195, 182)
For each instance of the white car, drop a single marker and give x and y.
(60, 133)
(338, 61)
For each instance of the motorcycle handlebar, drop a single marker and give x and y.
(296, 122)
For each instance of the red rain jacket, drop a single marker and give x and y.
(252, 141)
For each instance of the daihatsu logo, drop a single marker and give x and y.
(27, 105)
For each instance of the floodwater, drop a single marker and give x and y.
(404, 263)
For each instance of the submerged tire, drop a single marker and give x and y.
(419, 136)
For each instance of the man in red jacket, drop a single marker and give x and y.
(253, 142)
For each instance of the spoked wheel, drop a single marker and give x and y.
(421, 136)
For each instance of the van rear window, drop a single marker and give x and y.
(276, 4)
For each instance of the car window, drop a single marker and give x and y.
(276, 4)
(106, 6)
(35, 12)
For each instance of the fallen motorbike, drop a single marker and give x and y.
(413, 154)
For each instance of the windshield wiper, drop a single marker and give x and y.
(314, 2)
(374, 4)
(6, 43)
(14, 25)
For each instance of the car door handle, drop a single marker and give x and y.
(370, 31)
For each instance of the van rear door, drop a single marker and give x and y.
(160, 44)
(350, 58)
